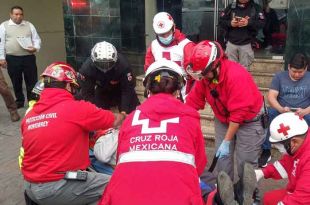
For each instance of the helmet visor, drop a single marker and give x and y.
(39, 86)
(104, 66)
(197, 75)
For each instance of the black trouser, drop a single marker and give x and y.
(109, 97)
(20, 67)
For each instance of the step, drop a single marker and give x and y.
(266, 66)
(262, 79)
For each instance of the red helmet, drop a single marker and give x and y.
(205, 57)
(61, 72)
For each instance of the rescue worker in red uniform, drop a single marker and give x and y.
(170, 44)
(292, 133)
(236, 103)
(161, 151)
(55, 141)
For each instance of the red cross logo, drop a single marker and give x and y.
(301, 118)
(283, 129)
(166, 54)
(161, 25)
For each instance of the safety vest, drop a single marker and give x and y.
(174, 53)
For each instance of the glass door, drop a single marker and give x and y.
(200, 18)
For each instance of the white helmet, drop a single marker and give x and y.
(286, 126)
(106, 146)
(104, 56)
(162, 22)
(164, 64)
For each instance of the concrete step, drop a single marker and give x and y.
(266, 66)
(262, 80)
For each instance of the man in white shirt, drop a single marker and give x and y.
(18, 55)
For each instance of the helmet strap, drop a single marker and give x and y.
(288, 147)
(71, 88)
(179, 95)
(214, 70)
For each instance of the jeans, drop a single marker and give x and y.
(273, 113)
(99, 166)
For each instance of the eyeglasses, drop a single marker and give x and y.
(197, 75)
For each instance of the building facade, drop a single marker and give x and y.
(70, 28)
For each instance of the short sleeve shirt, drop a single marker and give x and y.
(295, 94)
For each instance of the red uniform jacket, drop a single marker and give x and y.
(297, 169)
(161, 154)
(238, 96)
(55, 135)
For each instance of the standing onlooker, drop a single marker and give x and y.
(241, 21)
(8, 98)
(171, 44)
(271, 26)
(238, 111)
(289, 91)
(19, 41)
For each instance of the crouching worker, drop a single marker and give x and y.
(291, 132)
(55, 141)
(161, 150)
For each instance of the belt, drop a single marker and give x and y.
(255, 119)
(157, 155)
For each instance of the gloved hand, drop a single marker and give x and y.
(223, 150)
(259, 174)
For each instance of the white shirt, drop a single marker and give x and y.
(36, 40)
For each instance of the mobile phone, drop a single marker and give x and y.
(78, 175)
(293, 109)
(238, 18)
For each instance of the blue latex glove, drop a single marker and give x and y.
(223, 150)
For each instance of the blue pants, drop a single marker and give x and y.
(99, 166)
(273, 113)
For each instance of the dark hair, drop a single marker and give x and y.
(299, 61)
(167, 83)
(17, 7)
(52, 83)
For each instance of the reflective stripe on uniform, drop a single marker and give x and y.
(280, 169)
(157, 155)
